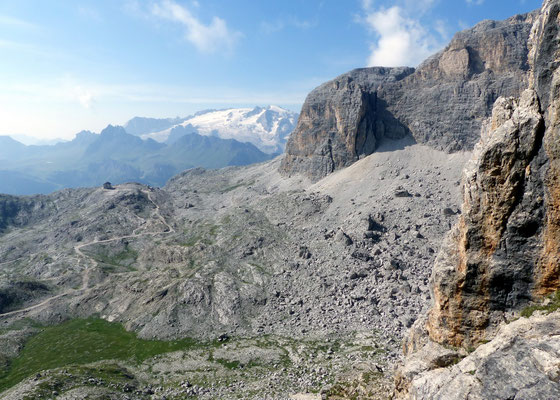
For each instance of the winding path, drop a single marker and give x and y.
(94, 263)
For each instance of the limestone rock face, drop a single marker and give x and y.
(545, 60)
(340, 121)
(485, 268)
(505, 249)
(442, 103)
(449, 96)
(503, 254)
(522, 362)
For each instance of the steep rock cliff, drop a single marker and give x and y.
(449, 96)
(483, 270)
(442, 103)
(503, 254)
(341, 121)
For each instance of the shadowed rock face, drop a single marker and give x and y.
(545, 55)
(341, 121)
(442, 103)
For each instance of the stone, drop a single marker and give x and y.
(402, 192)
(304, 252)
(522, 362)
(448, 212)
(342, 237)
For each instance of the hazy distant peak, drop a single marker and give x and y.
(5, 139)
(113, 130)
(34, 141)
(141, 125)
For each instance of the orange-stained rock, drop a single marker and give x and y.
(476, 251)
(504, 253)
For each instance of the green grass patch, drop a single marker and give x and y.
(120, 261)
(229, 364)
(552, 306)
(110, 372)
(84, 341)
(125, 258)
(191, 241)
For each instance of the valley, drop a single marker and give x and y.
(405, 246)
(207, 256)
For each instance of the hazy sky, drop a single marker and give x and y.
(68, 65)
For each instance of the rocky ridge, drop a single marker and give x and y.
(442, 103)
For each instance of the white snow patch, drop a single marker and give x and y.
(267, 128)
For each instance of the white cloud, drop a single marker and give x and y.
(419, 6)
(366, 4)
(132, 7)
(440, 26)
(9, 43)
(89, 95)
(401, 40)
(272, 27)
(209, 38)
(21, 47)
(475, 2)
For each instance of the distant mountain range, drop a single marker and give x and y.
(210, 139)
(267, 128)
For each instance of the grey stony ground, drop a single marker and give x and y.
(520, 362)
(247, 253)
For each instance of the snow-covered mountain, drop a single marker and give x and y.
(267, 128)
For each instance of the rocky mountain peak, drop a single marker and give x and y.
(113, 130)
(442, 103)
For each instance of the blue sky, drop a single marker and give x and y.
(68, 65)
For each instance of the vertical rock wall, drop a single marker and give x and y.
(503, 254)
(505, 250)
(477, 273)
(341, 121)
